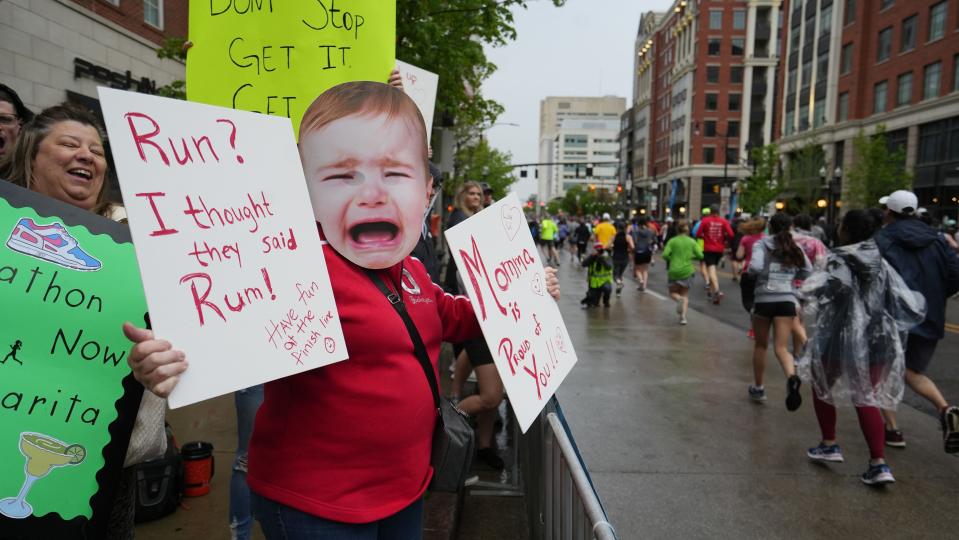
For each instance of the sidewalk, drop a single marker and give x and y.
(676, 449)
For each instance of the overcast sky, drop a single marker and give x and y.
(584, 48)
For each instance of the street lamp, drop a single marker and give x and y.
(829, 184)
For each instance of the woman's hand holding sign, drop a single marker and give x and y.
(155, 363)
(552, 282)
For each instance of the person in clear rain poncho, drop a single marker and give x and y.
(860, 311)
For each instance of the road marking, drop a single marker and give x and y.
(952, 328)
(657, 295)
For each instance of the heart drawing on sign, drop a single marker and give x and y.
(538, 284)
(559, 341)
(512, 219)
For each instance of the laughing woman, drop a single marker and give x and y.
(60, 154)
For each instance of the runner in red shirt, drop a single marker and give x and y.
(716, 233)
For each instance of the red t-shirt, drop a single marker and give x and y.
(715, 232)
(351, 441)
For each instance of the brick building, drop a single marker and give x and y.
(60, 50)
(703, 96)
(855, 64)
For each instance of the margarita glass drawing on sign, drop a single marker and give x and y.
(43, 453)
(51, 243)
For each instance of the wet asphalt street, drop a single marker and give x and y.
(676, 449)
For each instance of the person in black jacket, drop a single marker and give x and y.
(925, 262)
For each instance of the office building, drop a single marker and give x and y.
(853, 65)
(703, 94)
(577, 130)
(61, 50)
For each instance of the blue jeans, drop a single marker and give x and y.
(241, 516)
(281, 522)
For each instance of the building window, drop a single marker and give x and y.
(879, 97)
(845, 60)
(738, 46)
(825, 20)
(794, 39)
(735, 102)
(714, 44)
(712, 101)
(937, 21)
(807, 73)
(884, 46)
(153, 13)
(715, 19)
(739, 19)
(904, 89)
(883, 4)
(955, 73)
(576, 141)
(732, 128)
(710, 128)
(907, 41)
(843, 107)
(930, 81)
(849, 12)
(791, 81)
(822, 64)
(712, 74)
(709, 155)
(804, 116)
(819, 113)
(736, 74)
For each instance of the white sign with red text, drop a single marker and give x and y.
(421, 86)
(504, 277)
(228, 248)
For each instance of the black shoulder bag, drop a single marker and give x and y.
(453, 440)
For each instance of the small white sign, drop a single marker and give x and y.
(504, 278)
(421, 86)
(228, 248)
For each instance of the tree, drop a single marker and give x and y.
(447, 38)
(174, 49)
(480, 162)
(757, 191)
(580, 201)
(875, 170)
(802, 178)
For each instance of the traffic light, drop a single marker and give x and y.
(619, 188)
(522, 173)
(592, 187)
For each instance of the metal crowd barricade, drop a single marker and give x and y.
(561, 501)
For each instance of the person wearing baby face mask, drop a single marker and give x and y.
(356, 462)
(369, 194)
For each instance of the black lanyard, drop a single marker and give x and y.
(396, 300)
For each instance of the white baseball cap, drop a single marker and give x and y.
(901, 202)
(606, 215)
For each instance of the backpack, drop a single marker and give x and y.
(646, 245)
(159, 483)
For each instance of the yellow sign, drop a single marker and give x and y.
(276, 56)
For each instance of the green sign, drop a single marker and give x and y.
(68, 281)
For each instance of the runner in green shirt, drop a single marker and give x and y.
(679, 254)
(547, 233)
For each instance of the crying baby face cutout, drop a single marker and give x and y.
(368, 184)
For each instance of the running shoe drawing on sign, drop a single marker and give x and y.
(51, 243)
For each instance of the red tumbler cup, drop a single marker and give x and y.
(198, 468)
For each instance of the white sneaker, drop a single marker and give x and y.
(679, 307)
(682, 320)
